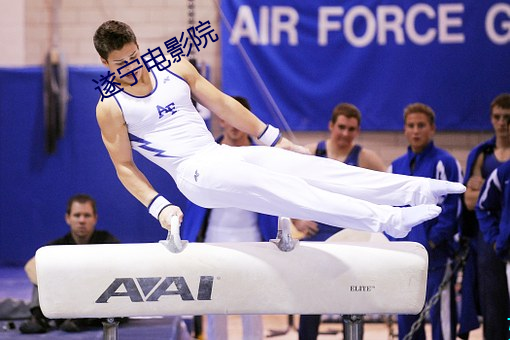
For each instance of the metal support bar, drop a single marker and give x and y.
(353, 327)
(110, 329)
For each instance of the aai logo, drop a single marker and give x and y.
(152, 288)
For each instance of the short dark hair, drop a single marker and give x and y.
(81, 198)
(420, 108)
(112, 35)
(503, 101)
(348, 110)
(244, 102)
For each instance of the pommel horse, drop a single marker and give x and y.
(173, 277)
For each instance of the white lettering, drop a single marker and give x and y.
(384, 13)
(368, 36)
(264, 25)
(279, 25)
(360, 25)
(490, 23)
(325, 25)
(244, 27)
(273, 21)
(445, 22)
(413, 35)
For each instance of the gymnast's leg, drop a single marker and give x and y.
(230, 182)
(331, 175)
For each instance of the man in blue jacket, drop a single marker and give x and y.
(424, 159)
(493, 212)
(229, 225)
(484, 277)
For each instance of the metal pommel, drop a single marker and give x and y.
(173, 241)
(284, 240)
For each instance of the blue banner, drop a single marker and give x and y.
(295, 60)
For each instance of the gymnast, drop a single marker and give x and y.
(154, 115)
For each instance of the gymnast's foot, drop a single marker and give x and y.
(442, 188)
(412, 216)
(437, 191)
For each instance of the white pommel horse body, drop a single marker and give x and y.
(153, 279)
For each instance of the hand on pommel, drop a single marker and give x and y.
(166, 215)
(286, 144)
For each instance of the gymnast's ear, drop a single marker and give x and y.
(104, 61)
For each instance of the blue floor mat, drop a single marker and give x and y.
(134, 329)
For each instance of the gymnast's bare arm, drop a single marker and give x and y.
(225, 107)
(115, 137)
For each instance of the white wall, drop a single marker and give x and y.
(25, 27)
(12, 33)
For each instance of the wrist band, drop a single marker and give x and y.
(270, 136)
(157, 205)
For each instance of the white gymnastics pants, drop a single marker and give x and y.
(278, 182)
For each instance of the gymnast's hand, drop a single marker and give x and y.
(166, 215)
(286, 144)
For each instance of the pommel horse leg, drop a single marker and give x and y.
(110, 329)
(353, 327)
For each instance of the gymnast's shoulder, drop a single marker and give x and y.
(185, 70)
(107, 110)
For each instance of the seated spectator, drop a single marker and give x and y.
(81, 216)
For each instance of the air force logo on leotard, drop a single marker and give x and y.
(164, 110)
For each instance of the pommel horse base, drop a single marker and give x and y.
(154, 279)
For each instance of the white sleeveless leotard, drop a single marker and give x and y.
(164, 126)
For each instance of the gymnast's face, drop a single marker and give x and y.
(82, 221)
(118, 58)
(344, 131)
(419, 131)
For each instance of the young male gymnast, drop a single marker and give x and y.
(271, 180)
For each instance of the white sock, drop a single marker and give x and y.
(442, 188)
(412, 216)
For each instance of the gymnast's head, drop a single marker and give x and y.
(113, 36)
